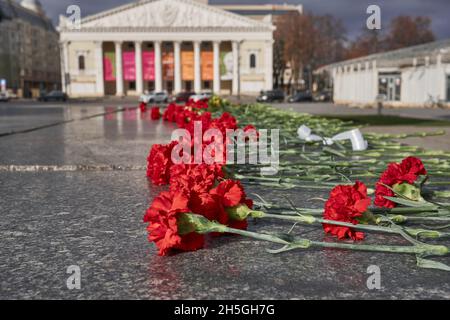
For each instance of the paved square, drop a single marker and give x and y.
(93, 219)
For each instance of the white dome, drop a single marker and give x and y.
(33, 5)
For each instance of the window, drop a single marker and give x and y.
(206, 85)
(81, 64)
(132, 85)
(253, 61)
(389, 84)
(188, 85)
(448, 87)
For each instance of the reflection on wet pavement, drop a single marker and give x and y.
(101, 135)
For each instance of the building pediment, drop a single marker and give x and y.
(175, 14)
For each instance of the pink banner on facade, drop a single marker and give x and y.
(129, 65)
(148, 65)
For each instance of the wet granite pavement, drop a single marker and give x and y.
(93, 219)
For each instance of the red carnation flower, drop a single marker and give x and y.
(405, 172)
(163, 225)
(200, 104)
(345, 204)
(193, 178)
(204, 204)
(412, 168)
(230, 193)
(168, 114)
(159, 162)
(204, 118)
(155, 115)
(143, 106)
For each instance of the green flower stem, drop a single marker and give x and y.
(421, 249)
(310, 219)
(398, 211)
(402, 219)
(408, 210)
(287, 186)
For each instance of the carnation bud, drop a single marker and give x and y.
(242, 212)
(429, 234)
(190, 222)
(398, 219)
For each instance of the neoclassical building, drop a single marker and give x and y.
(173, 45)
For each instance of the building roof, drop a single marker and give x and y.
(157, 15)
(264, 9)
(11, 10)
(402, 57)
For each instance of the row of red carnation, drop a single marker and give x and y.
(203, 189)
(195, 188)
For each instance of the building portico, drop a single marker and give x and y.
(172, 45)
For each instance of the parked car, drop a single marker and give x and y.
(155, 97)
(323, 96)
(4, 97)
(54, 95)
(183, 97)
(11, 95)
(271, 96)
(201, 96)
(301, 96)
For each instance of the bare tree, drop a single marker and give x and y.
(403, 31)
(408, 31)
(309, 41)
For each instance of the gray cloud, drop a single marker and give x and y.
(352, 12)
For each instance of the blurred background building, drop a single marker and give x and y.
(412, 76)
(29, 49)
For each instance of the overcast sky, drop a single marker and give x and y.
(352, 12)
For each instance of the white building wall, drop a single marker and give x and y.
(358, 84)
(420, 82)
(355, 84)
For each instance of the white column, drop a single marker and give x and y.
(333, 80)
(119, 73)
(158, 66)
(374, 80)
(216, 53)
(440, 78)
(177, 66)
(352, 87)
(100, 85)
(366, 83)
(138, 60)
(65, 68)
(235, 48)
(268, 74)
(197, 68)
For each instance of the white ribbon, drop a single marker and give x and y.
(355, 136)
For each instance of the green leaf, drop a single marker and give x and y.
(282, 249)
(367, 218)
(408, 191)
(284, 236)
(409, 203)
(430, 264)
(333, 152)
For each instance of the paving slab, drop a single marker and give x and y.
(51, 221)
